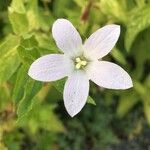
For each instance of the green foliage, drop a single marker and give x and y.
(18, 6)
(18, 18)
(126, 103)
(138, 21)
(21, 80)
(27, 101)
(113, 9)
(9, 59)
(19, 22)
(32, 114)
(28, 50)
(118, 55)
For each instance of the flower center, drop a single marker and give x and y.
(80, 63)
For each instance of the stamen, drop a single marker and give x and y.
(84, 63)
(78, 59)
(78, 66)
(80, 63)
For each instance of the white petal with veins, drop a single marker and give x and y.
(67, 37)
(76, 92)
(50, 67)
(101, 42)
(109, 75)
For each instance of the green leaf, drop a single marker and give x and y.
(140, 3)
(19, 22)
(33, 14)
(126, 103)
(113, 8)
(29, 43)
(32, 87)
(46, 119)
(139, 21)
(58, 5)
(28, 50)
(9, 59)
(90, 100)
(43, 119)
(141, 90)
(147, 110)
(18, 18)
(144, 94)
(147, 82)
(5, 96)
(80, 3)
(18, 6)
(21, 80)
(37, 17)
(118, 55)
(140, 54)
(46, 44)
(59, 85)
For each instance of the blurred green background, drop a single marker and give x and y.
(32, 114)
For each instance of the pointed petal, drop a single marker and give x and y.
(109, 75)
(50, 67)
(66, 36)
(76, 92)
(102, 41)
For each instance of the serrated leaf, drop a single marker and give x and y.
(18, 6)
(139, 21)
(25, 105)
(28, 50)
(29, 43)
(37, 17)
(33, 14)
(21, 80)
(19, 22)
(59, 85)
(9, 59)
(46, 44)
(113, 8)
(43, 119)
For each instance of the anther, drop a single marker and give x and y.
(79, 63)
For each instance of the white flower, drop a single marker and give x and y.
(80, 62)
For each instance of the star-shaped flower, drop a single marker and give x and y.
(81, 63)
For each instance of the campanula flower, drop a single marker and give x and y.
(81, 63)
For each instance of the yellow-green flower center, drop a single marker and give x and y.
(80, 63)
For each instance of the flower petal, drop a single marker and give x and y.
(66, 36)
(102, 41)
(50, 68)
(76, 92)
(109, 75)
